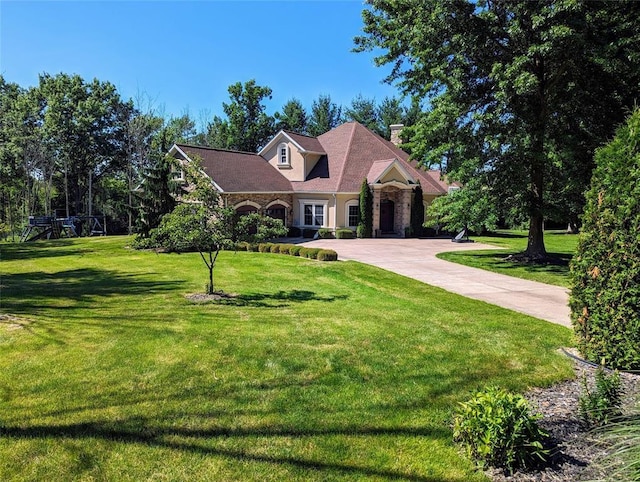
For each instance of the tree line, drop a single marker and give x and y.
(71, 147)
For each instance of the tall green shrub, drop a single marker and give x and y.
(365, 226)
(417, 211)
(605, 272)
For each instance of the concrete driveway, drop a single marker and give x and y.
(416, 258)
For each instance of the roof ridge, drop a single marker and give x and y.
(299, 134)
(192, 146)
(346, 154)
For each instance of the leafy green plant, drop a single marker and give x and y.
(295, 250)
(496, 428)
(284, 248)
(599, 405)
(275, 248)
(264, 247)
(325, 233)
(605, 292)
(327, 255)
(344, 233)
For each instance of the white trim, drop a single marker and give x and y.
(347, 205)
(287, 155)
(314, 202)
(403, 172)
(280, 134)
(397, 184)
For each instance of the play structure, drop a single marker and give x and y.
(50, 227)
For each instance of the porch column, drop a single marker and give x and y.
(376, 211)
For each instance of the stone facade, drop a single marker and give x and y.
(401, 199)
(262, 200)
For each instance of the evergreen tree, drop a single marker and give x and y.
(325, 115)
(293, 117)
(417, 211)
(365, 226)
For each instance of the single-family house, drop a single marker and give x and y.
(314, 182)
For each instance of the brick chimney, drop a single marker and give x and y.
(395, 133)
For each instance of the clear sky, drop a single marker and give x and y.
(184, 54)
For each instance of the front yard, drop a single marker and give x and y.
(315, 371)
(560, 246)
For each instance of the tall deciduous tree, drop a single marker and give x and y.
(325, 115)
(508, 83)
(247, 127)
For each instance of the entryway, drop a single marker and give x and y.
(387, 211)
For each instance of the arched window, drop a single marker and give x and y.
(283, 155)
(277, 211)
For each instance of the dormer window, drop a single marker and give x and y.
(284, 159)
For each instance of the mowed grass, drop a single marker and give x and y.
(316, 371)
(559, 245)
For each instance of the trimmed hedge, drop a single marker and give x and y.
(275, 248)
(265, 247)
(605, 272)
(295, 250)
(327, 255)
(325, 233)
(344, 233)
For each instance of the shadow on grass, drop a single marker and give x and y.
(278, 299)
(139, 432)
(40, 249)
(25, 293)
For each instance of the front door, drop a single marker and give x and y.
(386, 216)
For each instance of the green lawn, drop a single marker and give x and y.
(316, 371)
(560, 245)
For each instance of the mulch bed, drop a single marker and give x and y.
(578, 452)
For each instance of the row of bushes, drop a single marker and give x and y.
(290, 249)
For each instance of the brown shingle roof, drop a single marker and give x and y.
(236, 171)
(309, 144)
(351, 151)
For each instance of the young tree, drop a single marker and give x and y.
(471, 207)
(293, 117)
(203, 224)
(503, 79)
(325, 115)
(247, 126)
(605, 272)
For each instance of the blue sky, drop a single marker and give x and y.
(184, 55)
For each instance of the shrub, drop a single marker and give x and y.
(496, 429)
(295, 250)
(308, 233)
(312, 253)
(325, 233)
(344, 233)
(601, 404)
(327, 255)
(605, 271)
(275, 248)
(285, 248)
(294, 232)
(252, 247)
(302, 252)
(242, 246)
(265, 247)
(365, 226)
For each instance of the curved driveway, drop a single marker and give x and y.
(416, 258)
